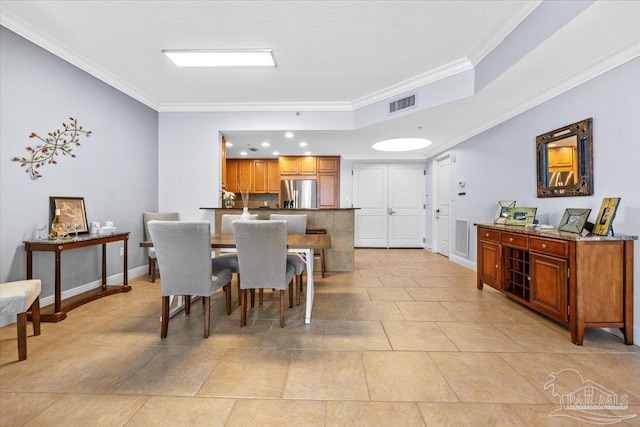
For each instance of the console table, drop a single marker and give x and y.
(580, 281)
(58, 311)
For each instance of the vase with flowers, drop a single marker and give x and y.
(229, 198)
(245, 202)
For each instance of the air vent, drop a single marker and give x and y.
(402, 104)
(253, 149)
(462, 238)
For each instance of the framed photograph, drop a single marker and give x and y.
(72, 211)
(521, 216)
(573, 220)
(503, 209)
(605, 218)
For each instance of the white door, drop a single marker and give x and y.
(370, 184)
(443, 205)
(391, 206)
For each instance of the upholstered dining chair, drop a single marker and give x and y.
(184, 251)
(16, 298)
(296, 224)
(229, 260)
(262, 255)
(157, 216)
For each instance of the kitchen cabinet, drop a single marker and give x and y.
(261, 174)
(298, 165)
(328, 164)
(273, 177)
(561, 159)
(328, 190)
(580, 281)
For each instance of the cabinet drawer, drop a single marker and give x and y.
(514, 240)
(487, 234)
(549, 246)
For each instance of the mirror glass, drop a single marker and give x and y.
(565, 161)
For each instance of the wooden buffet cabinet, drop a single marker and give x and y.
(582, 282)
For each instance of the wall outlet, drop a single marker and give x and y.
(121, 251)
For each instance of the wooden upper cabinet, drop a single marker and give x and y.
(232, 175)
(307, 165)
(259, 176)
(328, 164)
(239, 174)
(273, 177)
(288, 166)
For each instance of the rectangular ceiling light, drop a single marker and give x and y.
(221, 58)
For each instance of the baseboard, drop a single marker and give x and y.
(111, 280)
(463, 262)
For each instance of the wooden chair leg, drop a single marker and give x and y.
(239, 300)
(227, 297)
(207, 315)
(164, 328)
(291, 294)
(260, 296)
(322, 266)
(153, 267)
(35, 316)
(187, 304)
(298, 286)
(22, 335)
(243, 307)
(253, 297)
(282, 308)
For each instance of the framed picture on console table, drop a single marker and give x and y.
(573, 220)
(521, 216)
(503, 210)
(72, 211)
(605, 218)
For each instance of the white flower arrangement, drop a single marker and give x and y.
(228, 195)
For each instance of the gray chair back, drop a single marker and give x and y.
(184, 254)
(262, 254)
(157, 216)
(227, 219)
(296, 224)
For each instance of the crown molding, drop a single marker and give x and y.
(35, 36)
(590, 71)
(447, 70)
(257, 107)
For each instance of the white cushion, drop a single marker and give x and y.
(17, 297)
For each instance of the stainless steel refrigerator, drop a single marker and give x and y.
(299, 193)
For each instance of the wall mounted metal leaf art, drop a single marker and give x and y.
(56, 143)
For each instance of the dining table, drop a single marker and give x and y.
(302, 245)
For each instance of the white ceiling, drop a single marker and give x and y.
(331, 56)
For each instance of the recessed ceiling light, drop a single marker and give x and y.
(265, 144)
(228, 144)
(221, 58)
(307, 153)
(243, 153)
(401, 144)
(275, 153)
(303, 144)
(288, 135)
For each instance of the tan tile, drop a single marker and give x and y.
(405, 376)
(430, 294)
(173, 411)
(485, 378)
(298, 335)
(375, 310)
(324, 375)
(78, 409)
(173, 371)
(428, 281)
(480, 311)
(19, 408)
(478, 336)
(398, 282)
(368, 414)
(356, 335)
(545, 415)
(389, 294)
(277, 413)
(417, 336)
(460, 414)
(425, 311)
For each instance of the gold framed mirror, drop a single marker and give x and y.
(565, 161)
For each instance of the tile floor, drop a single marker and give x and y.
(406, 339)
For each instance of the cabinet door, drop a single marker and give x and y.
(245, 175)
(328, 190)
(549, 286)
(259, 184)
(307, 165)
(489, 264)
(327, 164)
(232, 176)
(273, 177)
(288, 166)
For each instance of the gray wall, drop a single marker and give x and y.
(499, 164)
(116, 169)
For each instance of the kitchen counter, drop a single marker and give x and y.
(338, 222)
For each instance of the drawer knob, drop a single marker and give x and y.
(496, 265)
(544, 246)
(486, 235)
(511, 239)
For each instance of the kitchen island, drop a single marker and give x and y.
(339, 224)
